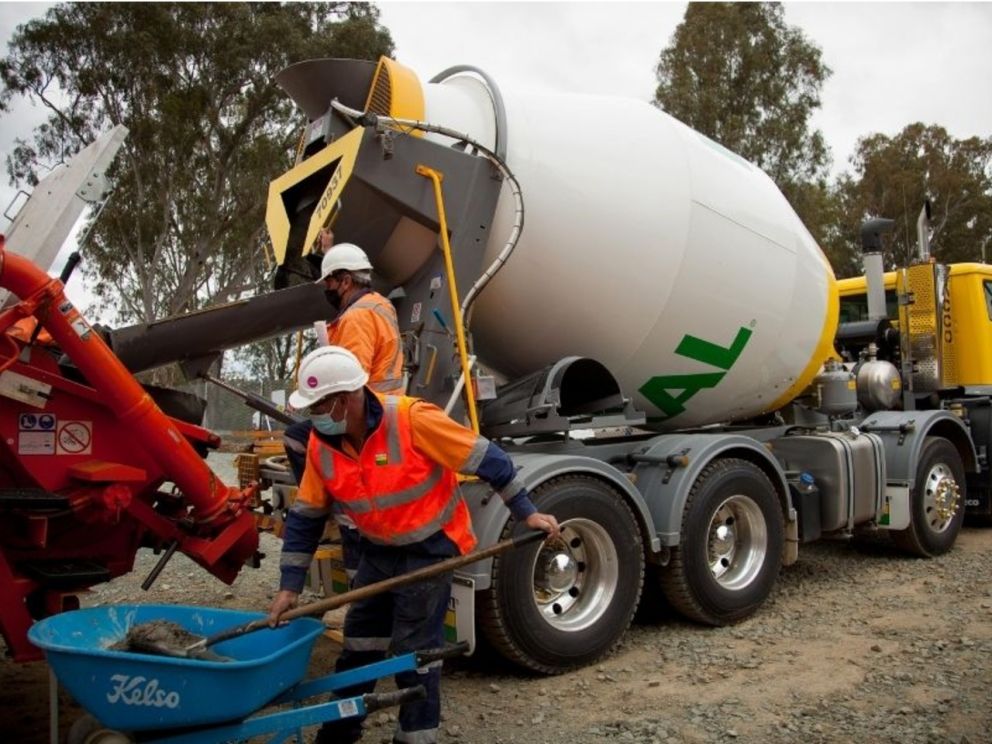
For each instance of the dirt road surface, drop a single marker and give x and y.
(855, 645)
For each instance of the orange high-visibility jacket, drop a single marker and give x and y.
(368, 328)
(395, 494)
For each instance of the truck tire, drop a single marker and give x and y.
(937, 502)
(551, 608)
(730, 547)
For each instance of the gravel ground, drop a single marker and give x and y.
(855, 645)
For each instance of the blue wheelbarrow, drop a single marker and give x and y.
(148, 698)
(196, 701)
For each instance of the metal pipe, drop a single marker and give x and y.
(184, 337)
(458, 386)
(494, 93)
(449, 268)
(923, 233)
(169, 552)
(871, 242)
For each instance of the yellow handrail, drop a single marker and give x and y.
(449, 269)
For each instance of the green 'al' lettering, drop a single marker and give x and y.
(659, 390)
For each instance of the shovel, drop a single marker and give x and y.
(199, 649)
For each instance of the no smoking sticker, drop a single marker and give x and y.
(74, 438)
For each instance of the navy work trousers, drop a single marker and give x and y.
(406, 619)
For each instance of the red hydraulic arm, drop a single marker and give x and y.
(43, 297)
(217, 528)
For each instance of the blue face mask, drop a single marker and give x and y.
(323, 423)
(326, 424)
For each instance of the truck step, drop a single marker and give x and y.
(32, 499)
(66, 574)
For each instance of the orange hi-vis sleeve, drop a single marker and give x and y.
(444, 440)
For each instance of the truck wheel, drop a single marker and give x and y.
(937, 503)
(730, 547)
(554, 607)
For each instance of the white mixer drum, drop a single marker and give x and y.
(649, 247)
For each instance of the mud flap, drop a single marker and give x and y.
(895, 514)
(459, 622)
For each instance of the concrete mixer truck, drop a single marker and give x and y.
(641, 318)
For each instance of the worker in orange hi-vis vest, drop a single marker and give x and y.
(366, 325)
(389, 463)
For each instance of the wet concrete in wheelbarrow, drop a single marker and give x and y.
(165, 638)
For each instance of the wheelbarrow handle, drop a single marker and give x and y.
(371, 590)
(376, 700)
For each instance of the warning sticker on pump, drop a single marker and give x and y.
(25, 389)
(36, 442)
(36, 422)
(36, 434)
(81, 327)
(74, 438)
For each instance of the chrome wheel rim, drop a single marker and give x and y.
(941, 497)
(576, 576)
(737, 544)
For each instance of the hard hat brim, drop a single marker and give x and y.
(299, 402)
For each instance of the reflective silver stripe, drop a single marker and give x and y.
(511, 489)
(413, 493)
(474, 459)
(386, 313)
(341, 516)
(295, 560)
(397, 498)
(326, 463)
(350, 573)
(393, 430)
(387, 384)
(295, 445)
(311, 512)
(389, 315)
(424, 736)
(366, 644)
(428, 529)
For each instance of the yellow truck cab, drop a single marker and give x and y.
(965, 320)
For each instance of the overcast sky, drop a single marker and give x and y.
(893, 63)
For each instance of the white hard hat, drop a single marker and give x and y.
(343, 257)
(325, 371)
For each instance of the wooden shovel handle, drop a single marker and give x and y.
(339, 600)
(427, 572)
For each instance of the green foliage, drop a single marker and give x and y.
(894, 175)
(737, 73)
(208, 130)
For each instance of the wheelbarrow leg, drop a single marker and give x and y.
(53, 707)
(287, 723)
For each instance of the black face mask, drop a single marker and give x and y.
(333, 297)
